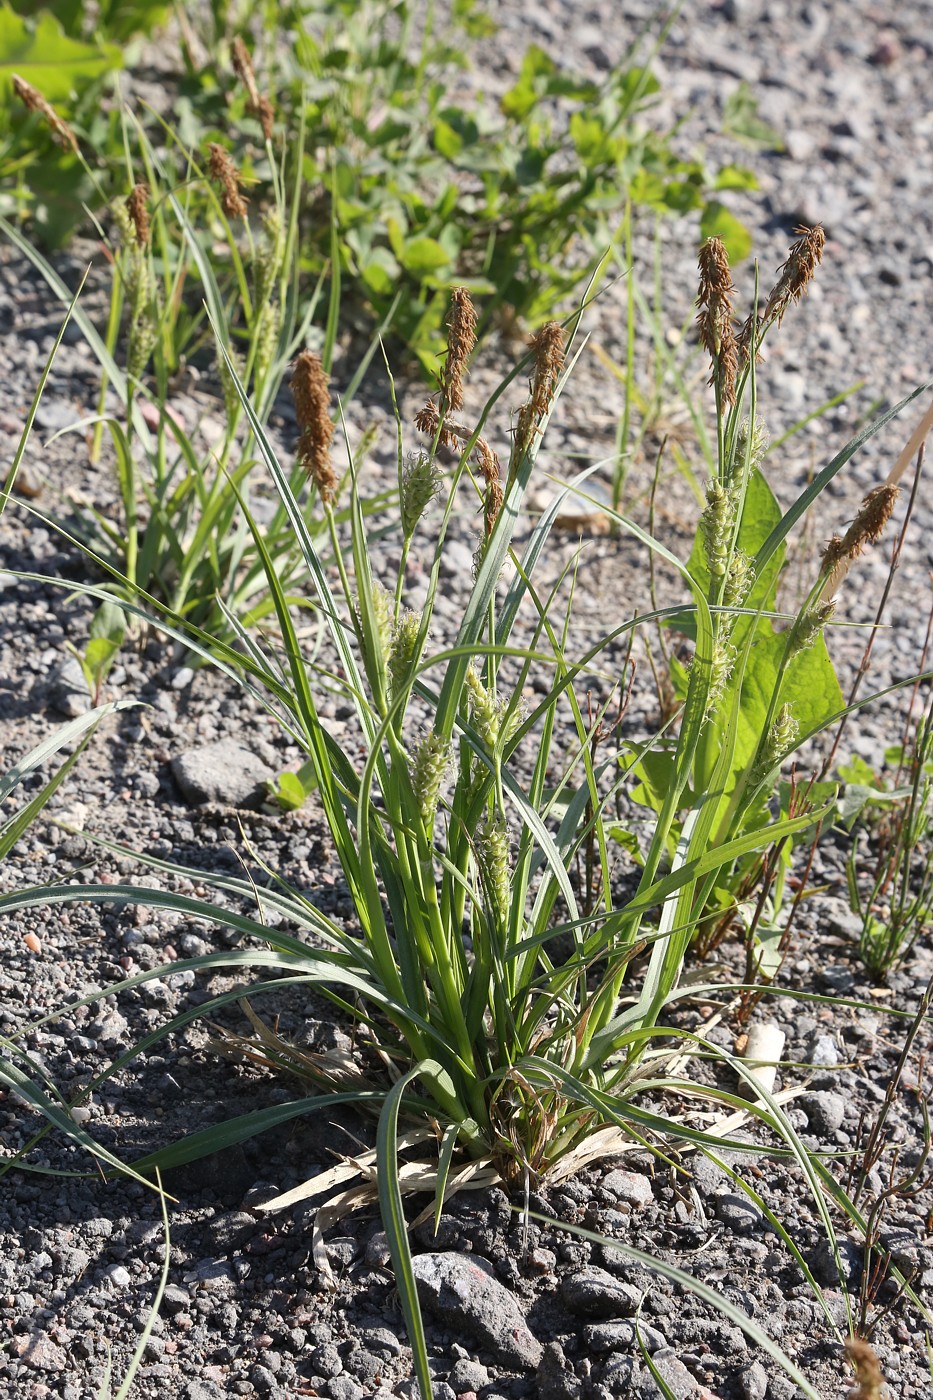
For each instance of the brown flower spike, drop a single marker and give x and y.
(869, 1378)
(866, 528)
(34, 100)
(714, 318)
(547, 346)
(258, 105)
(137, 206)
(223, 171)
(461, 338)
(309, 386)
(794, 275)
(428, 420)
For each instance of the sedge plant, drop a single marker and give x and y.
(184, 238)
(506, 1024)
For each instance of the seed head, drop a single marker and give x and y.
(716, 524)
(223, 171)
(782, 737)
(721, 666)
(267, 339)
(61, 131)
(492, 717)
(493, 860)
(428, 421)
(547, 346)
(428, 771)
(794, 275)
(714, 318)
(751, 444)
(808, 627)
(420, 481)
(257, 104)
(402, 649)
(309, 385)
(267, 263)
(461, 338)
(137, 206)
(739, 579)
(748, 336)
(870, 1383)
(866, 528)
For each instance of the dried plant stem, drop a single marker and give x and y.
(31, 98)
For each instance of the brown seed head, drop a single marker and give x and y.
(223, 171)
(61, 131)
(747, 335)
(428, 420)
(548, 347)
(715, 331)
(486, 460)
(833, 553)
(257, 104)
(461, 338)
(866, 528)
(492, 504)
(137, 206)
(869, 1377)
(309, 385)
(795, 274)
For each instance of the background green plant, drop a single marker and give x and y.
(889, 867)
(424, 193)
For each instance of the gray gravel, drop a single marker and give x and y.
(246, 1312)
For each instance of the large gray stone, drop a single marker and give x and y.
(459, 1290)
(595, 1293)
(225, 773)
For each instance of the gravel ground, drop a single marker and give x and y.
(511, 1313)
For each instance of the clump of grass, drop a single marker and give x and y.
(183, 239)
(520, 1024)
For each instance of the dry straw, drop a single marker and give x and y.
(258, 105)
(61, 131)
(715, 330)
(223, 171)
(309, 386)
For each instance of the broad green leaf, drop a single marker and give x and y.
(423, 255)
(735, 177)
(716, 221)
(99, 653)
(40, 53)
(109, 623)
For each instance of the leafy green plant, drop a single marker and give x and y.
(775, 675)
(107, 631)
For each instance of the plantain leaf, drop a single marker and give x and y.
(41, 53)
